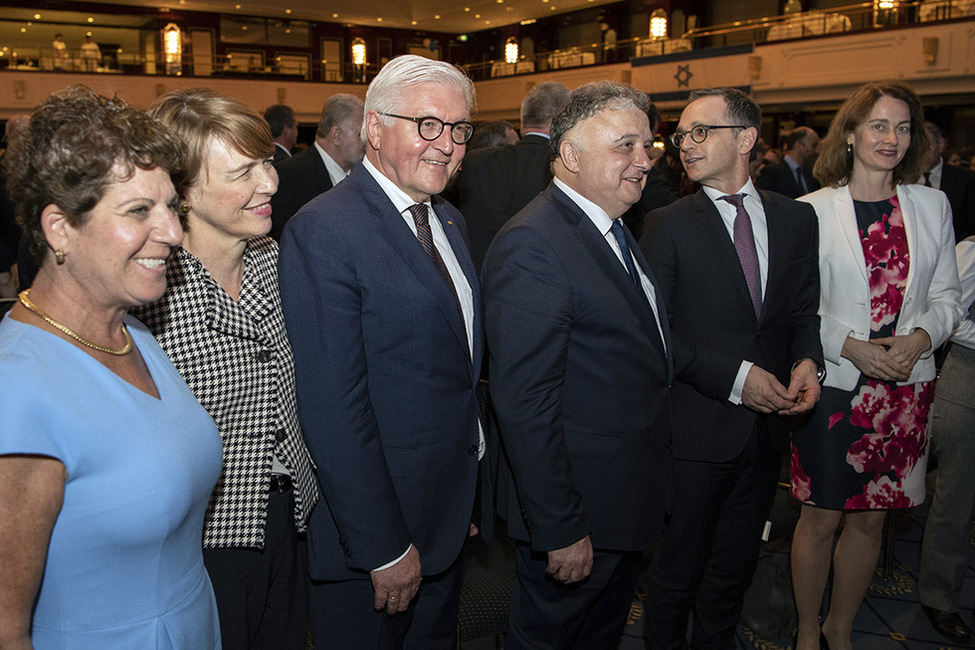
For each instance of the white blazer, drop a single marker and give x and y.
(933, 293)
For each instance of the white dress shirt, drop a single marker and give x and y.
(335, 171)
(964, 334)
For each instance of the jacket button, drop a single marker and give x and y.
(280, 435)
(668, 445)
(264, 356)
(472, 450)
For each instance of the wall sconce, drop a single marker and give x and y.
(358, 51)
(885, 12)
(658, 24)
(792, 7)
(755, 67)
(511, 50)
(173, 49)
(358, 60)
(930, 47)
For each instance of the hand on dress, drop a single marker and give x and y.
(874, 360)
(572, 563)
(906, 349)
(396, 586)
(764, 393)
(804, 384)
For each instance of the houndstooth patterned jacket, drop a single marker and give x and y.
(236, 359)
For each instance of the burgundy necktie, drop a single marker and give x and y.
(425, 235)
(745, 247)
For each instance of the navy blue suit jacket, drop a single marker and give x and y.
(385, 381)
(579, 383)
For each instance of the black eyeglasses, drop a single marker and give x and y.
(700, 132)
(430, 128)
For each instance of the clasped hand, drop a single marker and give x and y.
(764, 393)
(891, 358)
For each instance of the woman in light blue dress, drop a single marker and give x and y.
(106, 458)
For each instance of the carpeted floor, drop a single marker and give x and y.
(890, 618)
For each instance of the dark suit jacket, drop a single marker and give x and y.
(579, 383)
(958, 184)
(300, 179)
(779, 177)
(385, 381)
(280, 153)
(657, 192)
(713, 321)
(495, 183)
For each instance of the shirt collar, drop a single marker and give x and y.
(595, 213)
(747, 189)
(401, 200)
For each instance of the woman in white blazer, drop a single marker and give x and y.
(889, 298)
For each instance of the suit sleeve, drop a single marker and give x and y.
(804, 336)
(528, 317)
(709, 371)
(321, 298)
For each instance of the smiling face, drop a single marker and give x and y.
(232, 196)
(419, 167)
(119, 253)
(721, 161)
(605, 158)
(882, 139)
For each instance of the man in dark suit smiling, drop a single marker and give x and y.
(382, 305)
(580, 376)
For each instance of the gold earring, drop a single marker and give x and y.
(59, 256)
(184, 209)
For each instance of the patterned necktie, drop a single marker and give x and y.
(745, 247)
(617, 230)
(423, 233)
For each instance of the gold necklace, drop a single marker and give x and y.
(125, 349)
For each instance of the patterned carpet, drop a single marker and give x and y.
(890, 618)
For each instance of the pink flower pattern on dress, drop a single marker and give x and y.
(888, 261)
(801, 485)
(896, 418)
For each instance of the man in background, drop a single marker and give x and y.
(284, 130)
(496, 183)
(792, 177)
(956, 182)
(337, 148)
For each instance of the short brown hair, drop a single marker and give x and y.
(197, 115)
(835, 163)
(72, 149)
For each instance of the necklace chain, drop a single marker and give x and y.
(125, 349)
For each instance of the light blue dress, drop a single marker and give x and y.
(125, 565)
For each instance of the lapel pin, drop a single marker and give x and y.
(450, 223)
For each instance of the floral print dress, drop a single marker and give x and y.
(867, 448)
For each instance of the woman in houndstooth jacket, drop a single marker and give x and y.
(221, 323)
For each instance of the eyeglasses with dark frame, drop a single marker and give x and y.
(700, 132)
(430, 128)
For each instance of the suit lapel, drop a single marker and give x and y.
(391, 225)
(607, 261)
(845, 222)
(727, 255)
(777, 229)
(908, 213)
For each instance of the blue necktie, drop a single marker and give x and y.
(620, 234)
